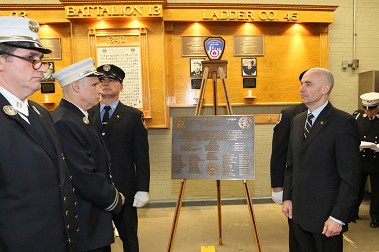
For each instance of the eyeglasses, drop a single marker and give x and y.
(370, 107)
(36, 64)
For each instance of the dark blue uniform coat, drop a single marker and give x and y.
(127, 140)
(36, 199)
(89, 163)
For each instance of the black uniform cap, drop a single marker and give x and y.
(111, 71)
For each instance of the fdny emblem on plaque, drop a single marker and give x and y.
(214, 47)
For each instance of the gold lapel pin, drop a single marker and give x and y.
(85, 120)
(9, 110)
(36, 110)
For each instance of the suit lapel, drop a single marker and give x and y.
(319, 124)
(298, 129)
(29, 129)
(44, 138)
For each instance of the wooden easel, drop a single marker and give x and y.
(213, 69)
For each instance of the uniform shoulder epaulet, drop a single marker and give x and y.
(357, 113)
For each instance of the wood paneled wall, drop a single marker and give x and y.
(290, 46)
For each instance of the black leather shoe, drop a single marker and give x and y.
(374, 223)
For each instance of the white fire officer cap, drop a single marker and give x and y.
(76, 71)
(21, 33)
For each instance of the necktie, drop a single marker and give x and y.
(106, 115)
(308, 125)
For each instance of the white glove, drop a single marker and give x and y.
(277, 197)
(140, 199)
(367, 145)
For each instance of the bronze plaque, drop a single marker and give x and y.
(249, 45)
(193, 46)
(213, 147)
(54, 44)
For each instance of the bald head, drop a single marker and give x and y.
(323, 75)
(316, 85)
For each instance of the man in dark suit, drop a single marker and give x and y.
(321, 182)
(87, 157)
(278, 162)
(368, 124)
(36, 199)
(126, 136)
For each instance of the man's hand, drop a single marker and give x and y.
(331, 228)
(277, 195)
(287, 208)
(140, 199)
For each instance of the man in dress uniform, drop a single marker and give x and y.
(36, 195)
(368, 123)
(87, 157)
(124, 131)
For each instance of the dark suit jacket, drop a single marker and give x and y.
(89, 164)
(127, 140)
(280, 141)
(36, 200)
(322, 177)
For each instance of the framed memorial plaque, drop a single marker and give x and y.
(249, 45)
(213, 147)
(193, 46)
(54, 44)
(249, 83)
(196, 83)
(47, 87)
(128, 58)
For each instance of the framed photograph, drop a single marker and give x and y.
(249, 83)
(48, 75)
(47, 87)
(196, 71)
(54, 44)
(249, 66)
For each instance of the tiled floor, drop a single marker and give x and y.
(198, 227)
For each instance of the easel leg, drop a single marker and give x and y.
(215, 100)
(176, 215)
(250, 205)
(202, 91)
(222, 76)
(219, 212)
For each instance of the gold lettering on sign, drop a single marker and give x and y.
(250, 15)
(18, 14)
(113, 11)
(228, 15)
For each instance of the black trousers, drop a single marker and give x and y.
(293, 244)
(374, 204)
(127, 226)
(317, 242)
